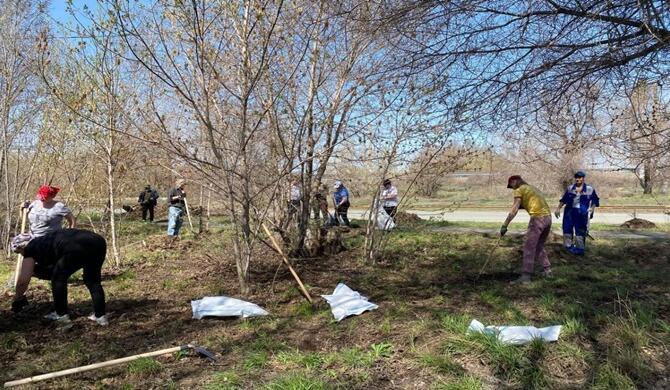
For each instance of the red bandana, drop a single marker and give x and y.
(47, 191)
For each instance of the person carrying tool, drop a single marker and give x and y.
(46, 215)
(580, 201)
(148, 199)
(531, 199)
(177, 205)
(55, 256)
(389, 198)
(341, 200)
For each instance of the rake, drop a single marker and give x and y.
(488, 258)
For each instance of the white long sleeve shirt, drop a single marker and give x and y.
(390, 196)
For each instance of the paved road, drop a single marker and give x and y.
(499, 216)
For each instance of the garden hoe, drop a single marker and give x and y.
(198, 350)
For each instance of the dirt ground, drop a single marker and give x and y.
(427, 288)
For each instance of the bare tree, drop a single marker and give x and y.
(20, 100)
(210, 59)
(641, 134)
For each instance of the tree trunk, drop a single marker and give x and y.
(112, 218)
(647, 180)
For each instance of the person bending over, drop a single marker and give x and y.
(55, 257)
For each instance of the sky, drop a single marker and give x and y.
(57, 8)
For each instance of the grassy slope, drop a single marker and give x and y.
(613, 305)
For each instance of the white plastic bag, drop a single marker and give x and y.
(345, 302)
(225, 307)
(517, 335)
(384, 221)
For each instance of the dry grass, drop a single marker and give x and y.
(613, 305)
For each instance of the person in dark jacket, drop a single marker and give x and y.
(341, 202)
(148, 199)
(177, 208)
(580, 201)
(55, 257)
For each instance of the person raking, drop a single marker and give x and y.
(531, 199)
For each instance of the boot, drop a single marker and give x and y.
(567, 241)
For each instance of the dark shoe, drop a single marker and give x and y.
(576, 251)
(19, 304)
(523, 279)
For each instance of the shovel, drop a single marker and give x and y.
(199, 350)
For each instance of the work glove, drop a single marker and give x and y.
(503, 230)
(19, 304)
(25, 205)
(557, 214)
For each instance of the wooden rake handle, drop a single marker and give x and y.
(288, 264)
(95, 366)
(19, 259)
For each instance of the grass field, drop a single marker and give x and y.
(613, 305)
(477, 196)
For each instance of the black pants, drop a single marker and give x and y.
(391, 210)
(67, 265)
(150, 209)
(342, 213)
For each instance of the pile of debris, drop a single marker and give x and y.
(638, 223)
(404, 218)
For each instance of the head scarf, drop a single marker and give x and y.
(19, 242)
(338, 184)
(47, 191)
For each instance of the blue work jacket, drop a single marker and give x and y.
(587, 198)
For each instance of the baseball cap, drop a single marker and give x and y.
(512, 178)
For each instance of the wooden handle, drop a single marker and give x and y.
(19, 259)
(288, 264)
(188, 214)
(94, 366)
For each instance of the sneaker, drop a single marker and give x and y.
(523, 279)
(547, 274)
(102, 320)
(53, 316)
(62, 322)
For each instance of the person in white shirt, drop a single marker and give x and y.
(389, 198)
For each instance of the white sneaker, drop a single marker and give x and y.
(53, 316)
(102, 320)
(62, 322)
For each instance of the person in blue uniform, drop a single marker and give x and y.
(580, 201)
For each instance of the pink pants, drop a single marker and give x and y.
(538, 231)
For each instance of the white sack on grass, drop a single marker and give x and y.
(384, 221)
(517, 335)
(345, 302)
(225, 307)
